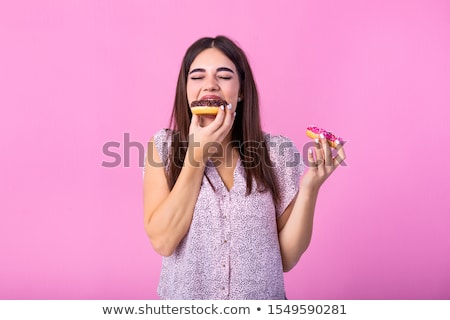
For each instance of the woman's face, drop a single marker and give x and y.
(213, 76)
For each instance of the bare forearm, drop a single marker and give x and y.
(171, 220)
(296, 234)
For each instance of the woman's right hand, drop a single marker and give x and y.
(206, 140)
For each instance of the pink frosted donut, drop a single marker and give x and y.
(314, 132)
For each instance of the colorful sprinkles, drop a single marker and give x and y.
(328, 134)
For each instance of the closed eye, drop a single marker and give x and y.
(197, 74)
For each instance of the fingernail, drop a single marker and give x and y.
(322, 136)
(229, 106)
(310, 151)
(337, 142)
(316, 140)
(222, 108)
(235, 113)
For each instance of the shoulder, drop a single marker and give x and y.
(287, 165)
(284, 153)
(276, 138)
(161, 140)
(278, 143)
(163, 135)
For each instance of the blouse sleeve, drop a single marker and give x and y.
(162, 140)
(288, 166)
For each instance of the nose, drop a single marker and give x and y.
(211, 84)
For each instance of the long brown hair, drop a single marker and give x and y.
(247, 135)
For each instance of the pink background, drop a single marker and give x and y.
(75, 75)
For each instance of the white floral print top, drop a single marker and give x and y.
(231, 250)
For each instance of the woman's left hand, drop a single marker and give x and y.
(321, 164)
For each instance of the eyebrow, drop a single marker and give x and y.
(218, 70)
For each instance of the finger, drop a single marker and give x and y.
(227, 122)
(195, 121)
(229, 117)
(340, 157)
(311, 161)
(217, 123)
(319, 153)
(326, 150)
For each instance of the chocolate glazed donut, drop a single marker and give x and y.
(209, 103)
(207, 106)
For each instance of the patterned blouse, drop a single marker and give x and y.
(231, 250)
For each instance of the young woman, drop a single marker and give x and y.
(223, 201)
